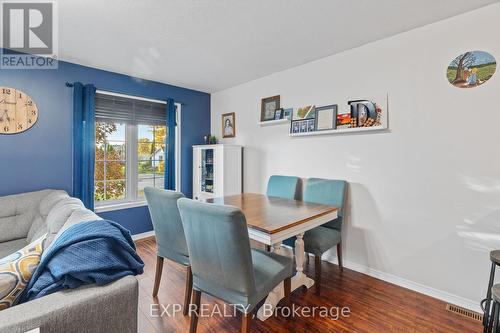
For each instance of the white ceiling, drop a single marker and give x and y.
(210, 45)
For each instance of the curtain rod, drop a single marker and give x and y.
(112, 93)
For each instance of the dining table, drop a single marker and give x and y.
(271, 220)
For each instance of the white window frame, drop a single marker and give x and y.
(131, 143)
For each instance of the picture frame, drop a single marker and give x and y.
(310, 125)
(471, 69)
(268, 107)
(303, 113)
(326, 117)
(287, 113)
(343, 120)
(303, 126)
(278, 114)
(295, 127)
(228, 125)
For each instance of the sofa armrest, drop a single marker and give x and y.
(110, 308)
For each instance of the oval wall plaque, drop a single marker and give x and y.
(471, 69)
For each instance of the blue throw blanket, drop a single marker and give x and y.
(89, 252)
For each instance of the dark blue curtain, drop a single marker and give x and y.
(84, 143)
(170, 146)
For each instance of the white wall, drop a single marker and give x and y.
(424, 196)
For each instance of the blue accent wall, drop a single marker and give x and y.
(41, 157)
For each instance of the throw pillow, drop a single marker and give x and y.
(16, 270)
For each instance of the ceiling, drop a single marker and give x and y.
(210, 45)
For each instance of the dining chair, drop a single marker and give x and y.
(169, 233)
(224, 265)
(286, 187)
(320, 239)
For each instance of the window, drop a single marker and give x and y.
(151, 154)
(110, 170)
(130, 149)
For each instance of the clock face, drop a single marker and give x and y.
(18, 112)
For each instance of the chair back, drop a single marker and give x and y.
(286, 187)
(167, 224)
(327, 192)
(219, 247)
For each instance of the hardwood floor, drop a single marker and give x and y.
(375, 305)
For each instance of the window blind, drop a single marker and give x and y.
(129, 110)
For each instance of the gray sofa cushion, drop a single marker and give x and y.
(79, 216)
(24, 215)
(7, 248)
(47, 203)
(17, 213)
(59, 215)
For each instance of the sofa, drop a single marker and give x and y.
(90, 308)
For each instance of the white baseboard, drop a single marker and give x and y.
(143, 235)
(420, 288)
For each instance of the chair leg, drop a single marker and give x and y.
(189, 290)
(339, 255)
(159, 269)
(317, 273)
(486, 314)
(195, 313)
(495, 318)
(492, 318)
(246, 320)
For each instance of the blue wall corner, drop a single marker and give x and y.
(41, 157)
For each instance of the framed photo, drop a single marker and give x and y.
(303, 126)
(326, 117)
(228, 125)
(310, 125)
(268, 106)
(278, 114)
(287, 113)
(305, 112)
(343, 120)
(295, 127)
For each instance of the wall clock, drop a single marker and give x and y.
(18, 112)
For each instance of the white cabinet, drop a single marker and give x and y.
(217, 171)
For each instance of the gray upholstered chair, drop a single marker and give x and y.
(223, 263)
(286, 187)
(320, 239)
(169, 234)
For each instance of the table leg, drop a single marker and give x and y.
(300, 279)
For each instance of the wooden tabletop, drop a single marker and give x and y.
(272, 214)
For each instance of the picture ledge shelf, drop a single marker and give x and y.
(342, 130)
(274, 122)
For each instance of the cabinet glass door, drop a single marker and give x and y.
(207, 170)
